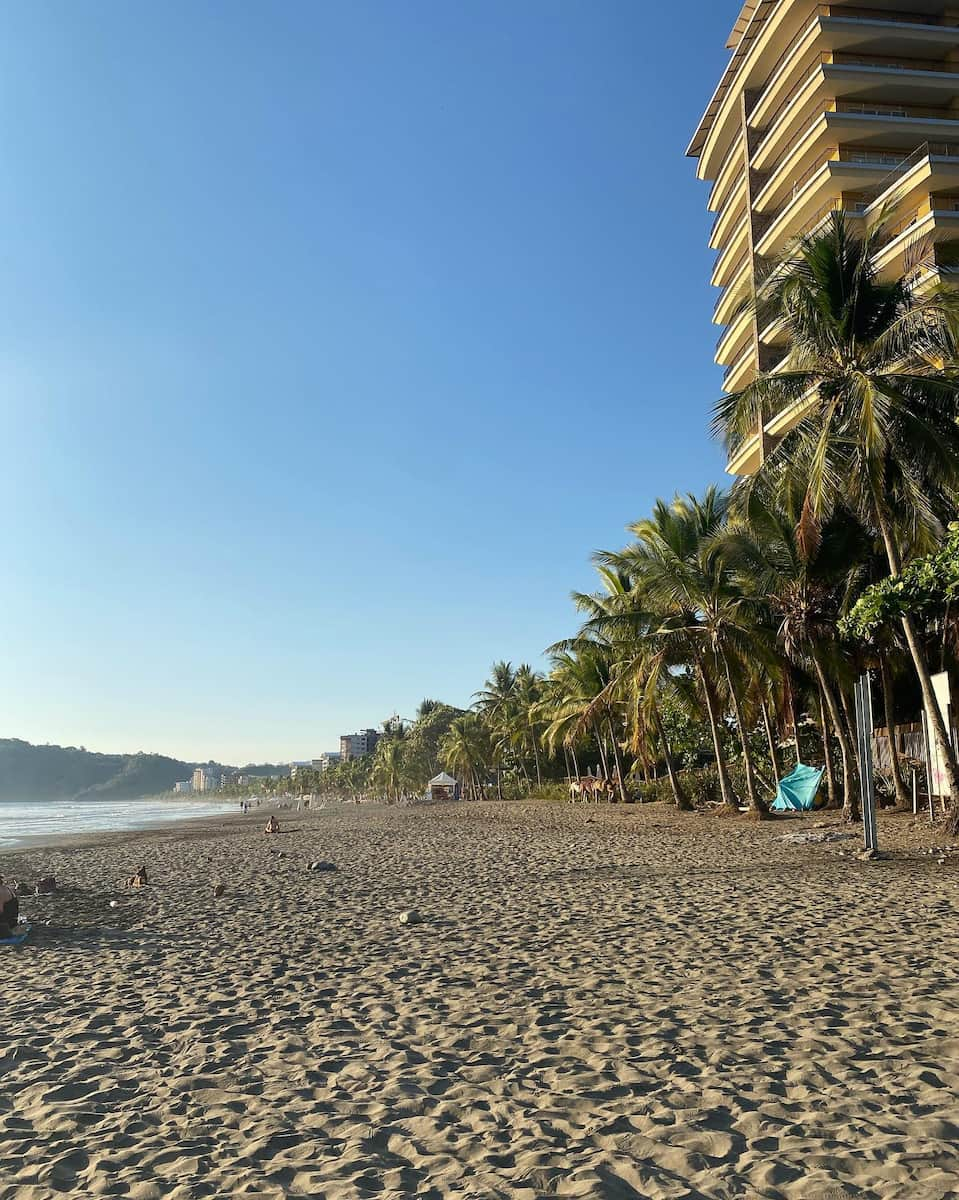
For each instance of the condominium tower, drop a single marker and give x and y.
(358, 745)
(827, 107)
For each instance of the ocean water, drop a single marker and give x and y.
(21, 822)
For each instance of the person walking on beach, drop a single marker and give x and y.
(9, 909)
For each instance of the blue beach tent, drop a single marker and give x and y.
(798, 791)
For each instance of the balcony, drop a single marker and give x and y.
(748, 456)
(735, 338)
(935, 220)
(727, 264)
(800, 60)
(733, 168)
(736, 291)
(742, 372)
(819, 191)
(932, 167)
(895, 34)
(730, 214)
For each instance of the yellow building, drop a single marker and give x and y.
(827, 107)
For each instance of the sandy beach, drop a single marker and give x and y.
(598, 1002)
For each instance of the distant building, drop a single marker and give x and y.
(207, 779)
(185, 786)
(327, 760)
(358, 745)
(297, 767)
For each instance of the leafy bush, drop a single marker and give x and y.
(925, 587)
(556, 793)
(701, 786)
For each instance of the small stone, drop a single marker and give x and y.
(410, 917)
(318, 865)
(114, 904)
(218, 890)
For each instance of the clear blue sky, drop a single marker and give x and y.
(335, 337)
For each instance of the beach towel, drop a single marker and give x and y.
(799, 790)
(17, 939)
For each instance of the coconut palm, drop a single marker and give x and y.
(528, 693)
(389, 768)
(618, 620)
(705, 619)
(466, 750)
(803, 587)
(872, 370)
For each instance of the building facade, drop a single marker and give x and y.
(358, 745)
(326, 760)
(823, 108)
(206, 779)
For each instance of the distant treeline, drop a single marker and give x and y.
(29, 772)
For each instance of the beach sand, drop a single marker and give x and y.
(598, 1002)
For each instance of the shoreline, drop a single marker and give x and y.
(158, 825)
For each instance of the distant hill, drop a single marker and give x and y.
(29, 772)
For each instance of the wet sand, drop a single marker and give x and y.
(598, 1002)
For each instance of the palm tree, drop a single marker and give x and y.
(466, 751)
(497, 704)
(620, 626)
(706, 621)
(872, 365)
(528, 694)
(803, 587)
(388, 769)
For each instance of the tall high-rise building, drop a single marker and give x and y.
(207, 779)
(823, 108)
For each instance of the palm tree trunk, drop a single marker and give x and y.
(849, 786)
(755, 803)
(792, 714)
(933, 714)
(619, 761)
(833, 801)
(572, 750)
(903, 799)
(539, 776)
(602, 750)
(682, 801)
(770, 738)
(724, 785)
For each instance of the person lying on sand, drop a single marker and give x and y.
(139, 879)
(272, 826)
(9, 909)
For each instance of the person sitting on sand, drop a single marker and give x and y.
(272, 826)
(9, 909)
(139, 879)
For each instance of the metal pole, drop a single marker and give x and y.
(927, 754)
(863, 692)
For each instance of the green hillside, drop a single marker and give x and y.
(29, 772)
